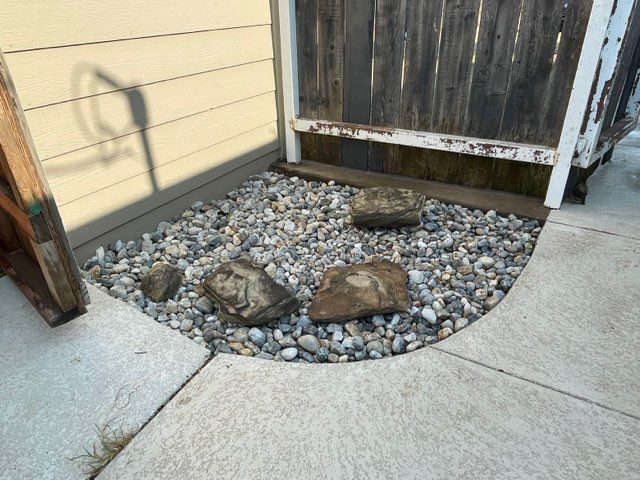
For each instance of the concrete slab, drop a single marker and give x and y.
(571, 322)
(113, 364)
(426, 415)
(613, 202)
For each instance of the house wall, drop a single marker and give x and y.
(135, 107)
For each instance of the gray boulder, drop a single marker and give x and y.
(357, 291)
(247, 295)
(162, 282)
(387, 207)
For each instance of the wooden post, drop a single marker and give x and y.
(290, 86)
(585, 74)
(45, 261)
(609, 64)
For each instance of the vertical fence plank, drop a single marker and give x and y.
(539, 26)
(387, 77)
(457, 45)
(490, 78)
(307, 23)
(358, 56)
(421, 57)
(494, 56)
(331, 17)
(454, 65)
(534, 51)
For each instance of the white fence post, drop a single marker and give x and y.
(609, 65)
(290, 87)
(633, 107)
(583, 81)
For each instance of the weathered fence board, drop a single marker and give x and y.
(357, 77)
(388, 57)
(494, 69)
(629, 49)
(420, 63)
(306, 33)
(331, 17)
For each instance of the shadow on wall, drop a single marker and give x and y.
(103, 131)
(133, 173)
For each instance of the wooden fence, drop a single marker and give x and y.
(492, 69)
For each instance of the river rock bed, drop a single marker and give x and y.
(460, 264)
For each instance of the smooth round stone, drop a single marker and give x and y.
(289, 354)
(378, 321)
(447, 324)
(398, 345)
(414, 346)
(416, 276)
(375, 346)
(257, 336)
(460, 324)
(204, 305)
(491, 302)
(186, 325)
(375, 355)
(444, 333)
(429, 315)
(487, 262)
(310, 343)
(322, 354)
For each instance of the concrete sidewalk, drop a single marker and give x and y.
(113, 365)
(547, 385)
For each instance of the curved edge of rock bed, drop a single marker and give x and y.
(460, 264)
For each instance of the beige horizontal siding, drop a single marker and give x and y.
(135, 103)
(31, 24)
(106, 209)
(43, 77)
(70, 126)
(78, 174)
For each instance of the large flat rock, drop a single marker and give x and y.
(57, 384)
(247, 295)
(572, 320)
(425, 415)
(387, 207)
(360, 290)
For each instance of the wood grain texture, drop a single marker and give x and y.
(490, 78)
(457, 45)
(629, 50)
(31, 194)
(53, 23)
(109, 208)
(307, 37)
(460, 18)
(358, 58)
(563, 71)
(420, 62)
(539, 26)
(387, 78)
(331, 18)
(78, 174)
(70, 126)
(61, 74)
